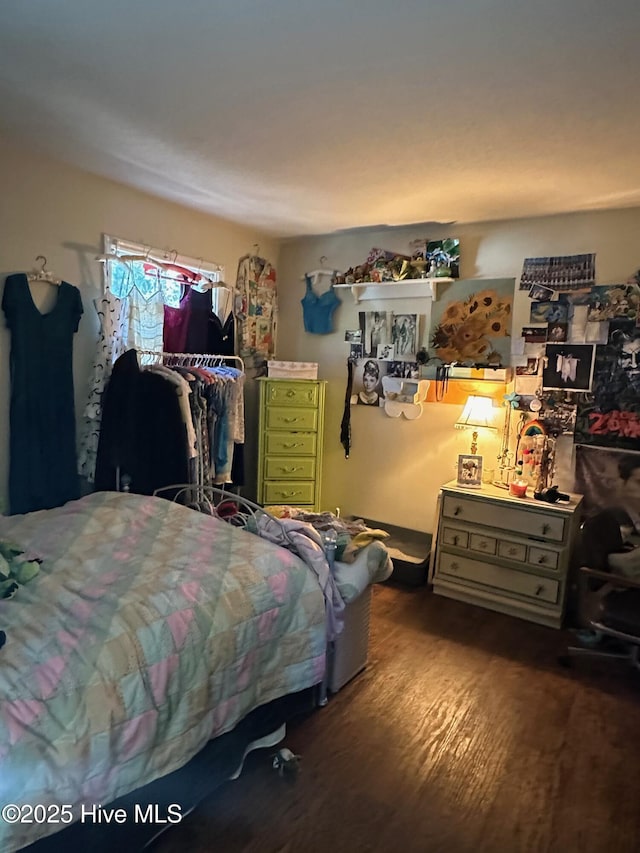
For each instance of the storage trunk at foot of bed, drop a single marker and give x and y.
(348, 653)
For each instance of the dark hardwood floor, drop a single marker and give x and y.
(463, 734)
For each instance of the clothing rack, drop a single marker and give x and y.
(193, 359)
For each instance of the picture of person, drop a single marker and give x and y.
(386, 352)
(404, 369)
(610, 416)
(469, 470)
(610, 482)
(557, 331)
(626, 338)
(371, 386)
(403, 333)
(375, 326)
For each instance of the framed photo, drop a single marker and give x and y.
(469, 471)
(569, 367)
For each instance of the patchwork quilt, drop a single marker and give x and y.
(150, 629)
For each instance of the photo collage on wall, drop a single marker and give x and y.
(578, 360)
(385, 344)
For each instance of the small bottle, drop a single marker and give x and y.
(330, 540)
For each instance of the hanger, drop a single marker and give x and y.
(314, 274)
(43, 274)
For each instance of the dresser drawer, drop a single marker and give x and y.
(543, 557)
(454, 536)
(483, 544)
(276, 492)
(280, 468)
(512, 550)
(279, 417)
(291, 443)
(504, 580)
(292, 394)
(530, 522)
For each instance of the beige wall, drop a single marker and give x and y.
(396, 466)
(52, 209)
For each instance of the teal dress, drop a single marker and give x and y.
(42, 442)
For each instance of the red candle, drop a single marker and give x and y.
(518, 489)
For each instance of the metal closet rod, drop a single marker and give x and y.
(195, 359)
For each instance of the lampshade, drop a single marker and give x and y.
(478, 413)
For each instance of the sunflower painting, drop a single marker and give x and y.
(472, 324)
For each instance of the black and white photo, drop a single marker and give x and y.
(404, 369)
(568, 367)
(386, 352)
(561, 273)
(367, 383)
(404, 331)
(376, 331)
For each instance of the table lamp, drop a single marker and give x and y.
(478, 413)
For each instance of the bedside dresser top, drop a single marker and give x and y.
(488, 491)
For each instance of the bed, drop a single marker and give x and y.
(150, 630)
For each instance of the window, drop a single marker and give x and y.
(150, 271)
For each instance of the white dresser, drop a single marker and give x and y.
(505, 553)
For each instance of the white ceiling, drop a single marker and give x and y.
(310, 116)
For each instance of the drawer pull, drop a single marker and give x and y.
(293, 421)
(455, 540)
(545, 529)
(290, 469)
(513, 551)
(457, 510)
(289, 444)
(291, 393)
(539, 590)
(483, 544)
(454, 567)
(288, 494)
(542, 558)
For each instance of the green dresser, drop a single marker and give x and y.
(290, 446)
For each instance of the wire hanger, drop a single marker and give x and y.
(43, 274)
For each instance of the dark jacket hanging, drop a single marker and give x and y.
(42, 445)
(142, 434)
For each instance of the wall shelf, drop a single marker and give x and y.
(425, 288)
